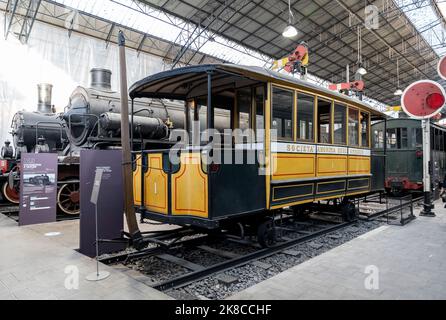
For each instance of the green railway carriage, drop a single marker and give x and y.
(321, 150)
(404, 153)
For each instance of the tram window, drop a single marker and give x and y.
(353, 127)
(378, 139)
(392, 138)
(397, 138)
(305, 117)
(435, 146)
(198, 121)
(259, 106)
(324, 118)
(340, 128)
(444, 143)
(244, 107)
(403, 138)
(365, 130)
(417, 141)
(283, 113)
(222, 121)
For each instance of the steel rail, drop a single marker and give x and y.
(188, 278)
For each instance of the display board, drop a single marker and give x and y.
(109, 198)
(38, 188)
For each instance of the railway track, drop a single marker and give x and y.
(189, 261)
(243, 259)
(179, 262)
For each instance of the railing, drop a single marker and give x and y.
(400, 210)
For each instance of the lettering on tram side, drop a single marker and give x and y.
(293, 147)
(358, 152)
(331, 150)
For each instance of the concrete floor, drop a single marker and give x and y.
(34, 266)
(405, 262)
(409, 261)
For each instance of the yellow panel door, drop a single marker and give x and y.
(190, 187)
(137, 182)
(155, 189)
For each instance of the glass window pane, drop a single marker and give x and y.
(378, 139)
(391, 138)
(244, 107)
(282, 113)
(353, 127)
(324, 118)
(404, 138)
(365, 129)
(417, 141)
(260, 120)
(305, 117)
(340, 128)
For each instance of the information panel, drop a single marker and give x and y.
(38, 188)
(109, 198)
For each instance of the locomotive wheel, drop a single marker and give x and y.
(68, 198)
(10, 193)
(348, 211)
(266, 234)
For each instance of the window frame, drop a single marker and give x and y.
(315, 97)
(348, 127)
(346, 122)
(368, 129)
(293, 113)
(316, 137)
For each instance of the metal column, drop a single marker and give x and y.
(427, 210)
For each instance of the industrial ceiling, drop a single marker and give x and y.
(330, 28)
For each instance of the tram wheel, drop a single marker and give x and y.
(10, 194)
(348, 211)
(266, 233)
(68, 198)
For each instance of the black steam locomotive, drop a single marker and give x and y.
(91, 120)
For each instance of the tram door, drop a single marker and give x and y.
(239, 186)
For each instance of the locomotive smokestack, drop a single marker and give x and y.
(101, 79)
(44, 97)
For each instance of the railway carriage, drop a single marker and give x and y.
(404, 153)
(309, 144)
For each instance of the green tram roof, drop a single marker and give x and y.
(177, 83)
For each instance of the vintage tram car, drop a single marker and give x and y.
(404, 153)
(322, 150)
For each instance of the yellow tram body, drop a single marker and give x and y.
(322, 149)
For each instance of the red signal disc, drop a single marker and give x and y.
(423, 99)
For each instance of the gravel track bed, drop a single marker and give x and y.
(156, 269)
(197, 256)
(250, 274)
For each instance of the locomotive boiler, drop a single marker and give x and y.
(92, 117)
(91, 120)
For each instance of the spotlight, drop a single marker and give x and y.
(398, 92)
(289, 32)
(362, 71)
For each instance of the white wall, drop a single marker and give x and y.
(52, 57)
